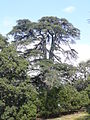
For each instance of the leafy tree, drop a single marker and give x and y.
(84, 99)
(81, 85)
(13, 99)
(12, 66)
(49, 29)
(84, 70)
(27, 112)
(57, 31)
(2, 106)
(3, 42)
(62, 100)
(47, 94)
(10, 113)
(88, 92)
(15, 86)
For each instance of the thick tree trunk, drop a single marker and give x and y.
(51, 57)
(44, 46)
(44, 49)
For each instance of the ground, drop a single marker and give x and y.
(76, 116)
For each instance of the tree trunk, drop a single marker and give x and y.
(44, 46)
(51, 57)
(44, 49)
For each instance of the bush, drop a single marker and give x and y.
(48, 106)
(62, 100)
(27, 112)
(9, 113)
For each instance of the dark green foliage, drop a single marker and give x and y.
(9, 113)
(15, 99)
(20, 100)
(48, 103)
(88, 108)
(3, 42)
(62, 100)
(16, 91)
(88, 90)
(2, 106)
(27, 112)
(71, 100)
(54, 90)
(12, 66)
(55, 74)
(28, 108)
(81, 84)
(22, 30)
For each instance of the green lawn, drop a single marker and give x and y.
(76, 116)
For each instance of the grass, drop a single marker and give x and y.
(76, 116)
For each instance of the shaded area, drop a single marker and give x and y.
(75, 116)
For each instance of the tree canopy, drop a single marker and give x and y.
(48, 30)
(56, 88)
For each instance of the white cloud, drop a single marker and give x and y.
(69, 9)
(83, 52)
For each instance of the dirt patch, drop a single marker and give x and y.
(74, 116)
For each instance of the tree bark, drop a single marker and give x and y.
(51, 57)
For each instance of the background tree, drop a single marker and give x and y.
(54, 30)
(50, 92)
(51, 31)
(57, 31)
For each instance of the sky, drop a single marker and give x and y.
(75, 11)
